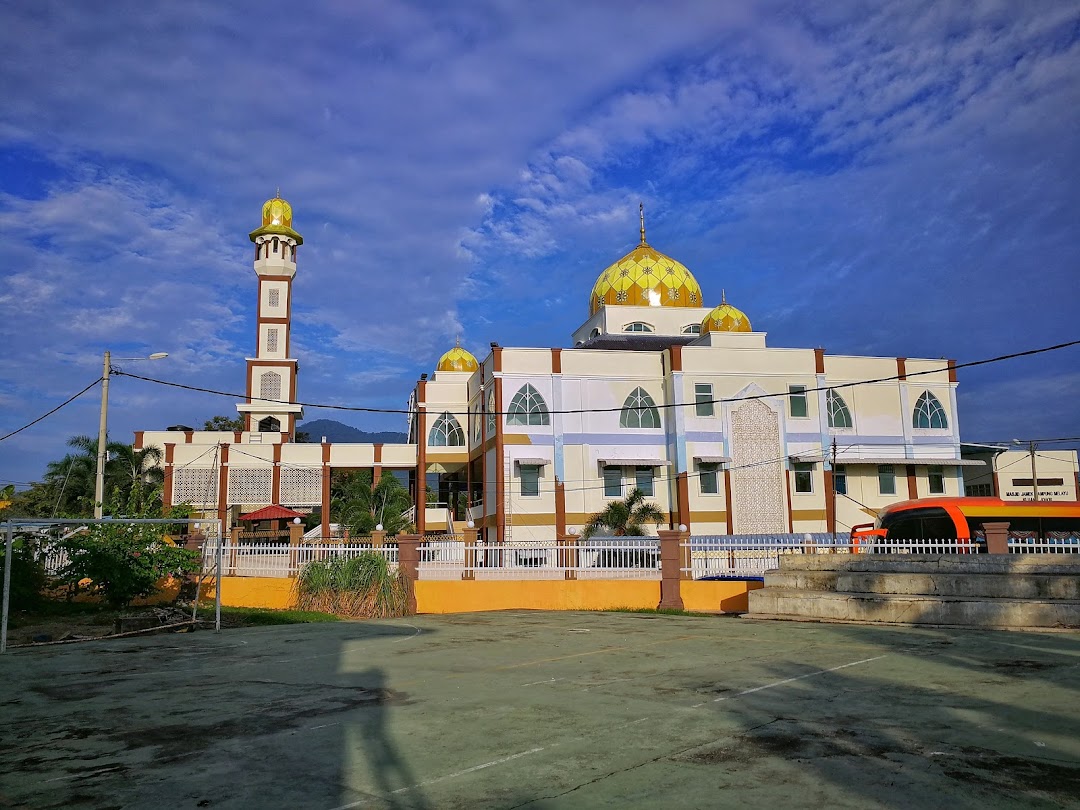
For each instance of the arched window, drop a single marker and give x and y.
(446, 432)
(929, 413)
(595, 332)
(270, 385)
(275, 245)
(491, 415)
(527, 408)
(839, 415)
(292, 250)
(639, 411)
(637, 326)
(692, 329)
(478, 425)
(269, 425)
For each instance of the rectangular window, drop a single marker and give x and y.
(804, 477)
(886, 479)
(703, 398)
(643, 480)
(839, 479)
(612, 482)
(530, 480)
(1043, 482)
(708, 478)
(797, 401)
(979, 490)
(936, 477)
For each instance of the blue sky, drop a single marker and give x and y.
(891, 179)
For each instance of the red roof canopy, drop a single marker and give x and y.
(273, 512)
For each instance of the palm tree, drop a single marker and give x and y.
(71, 479)
(624, 518)
(357, 503)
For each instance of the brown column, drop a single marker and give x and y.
(420, 495)
(819, 361)
(409, 565)
(138, 444)
(325, 507)
(296, 537)
(275, 476)
(671, 565)
(500, 470)
(787, 491)
(470, 536)
(830, 503)
(223, 488)
(560, 509)
(997, 538)
(682, 495)
(167, 483)
(727, 502)
(997, 484)
(376, 472)
(912, 483)
(901, 367)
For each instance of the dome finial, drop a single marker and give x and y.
(723, 296)
(641, 213)
(277, 194)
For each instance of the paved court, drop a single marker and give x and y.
(546, 710)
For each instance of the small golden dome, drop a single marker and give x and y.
(276, 220)
(645, 277)
(457, 359)
(725, 318)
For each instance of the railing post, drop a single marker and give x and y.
(234, 537)
(671, 565)
(568, 555)
(378, 538)
(997, 538)
(470, 535)
(409, 564)
(296, 537)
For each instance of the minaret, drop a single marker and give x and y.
(271, 373)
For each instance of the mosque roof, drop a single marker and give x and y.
(276, 220)
(457, 359)
(645, 277)
(725, 318)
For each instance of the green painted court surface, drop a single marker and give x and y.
(546, 710)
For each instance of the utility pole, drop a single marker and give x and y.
(833, 480)
(1034, 480)
(103, 429)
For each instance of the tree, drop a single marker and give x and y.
(224, 423)
(627, 517)
(360, 505)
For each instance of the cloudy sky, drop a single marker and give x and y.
(889, 179)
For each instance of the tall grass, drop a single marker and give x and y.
(360, 587)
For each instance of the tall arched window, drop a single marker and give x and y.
(446, 432)
(639, 411)
(527, 408)
(491, 415)
(929, 413)
(839, 415)
(270, 385)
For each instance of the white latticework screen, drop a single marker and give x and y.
(270, 385)
(301, 487)
(757, 470)
(249, 484)
(195, 485)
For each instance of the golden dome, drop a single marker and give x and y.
(725, 318)
(645, 277)
(457, 359)
(277, 220)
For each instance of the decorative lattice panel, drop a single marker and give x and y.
(757, 471)
(271, 340)
(270, 385)
(301, 487)
(195, 485)
(274, 297)
(249, 485)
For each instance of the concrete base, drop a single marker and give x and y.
(956, 590)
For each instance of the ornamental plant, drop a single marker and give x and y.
(360, 587)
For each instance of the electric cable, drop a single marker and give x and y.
(68, 401)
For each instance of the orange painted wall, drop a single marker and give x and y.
(711, 596)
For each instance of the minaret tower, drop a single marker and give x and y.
(271, 373)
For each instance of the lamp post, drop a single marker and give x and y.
(103, 429)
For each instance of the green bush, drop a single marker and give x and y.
(27, 574)
(362, 587)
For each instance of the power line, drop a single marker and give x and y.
(68, 401)
(665, 406)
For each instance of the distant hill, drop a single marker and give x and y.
(338, 432)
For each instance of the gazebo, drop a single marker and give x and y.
(278, 518)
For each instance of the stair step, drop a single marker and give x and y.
(988, 586)
(914, 608)
(1064, 564)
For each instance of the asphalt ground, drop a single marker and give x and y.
(546, 710)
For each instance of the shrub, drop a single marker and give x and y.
(27, 574)
(361, 587)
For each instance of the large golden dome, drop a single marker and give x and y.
(277, 220)
(725, 318)
(645, 277)
(457, 359)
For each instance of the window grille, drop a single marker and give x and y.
(249, 485)
(639, 411)
(270, 385)
(929, 413)
(301, 487)
(274, 298)
(446, 432)
(196, 486)
(839, 415)
(527, 408)
(271, 340)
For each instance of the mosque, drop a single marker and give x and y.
(660, 391)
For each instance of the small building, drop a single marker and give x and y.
(1009, 473)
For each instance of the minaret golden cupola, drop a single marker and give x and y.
(457, 359)
(645, 277)
(725, 318)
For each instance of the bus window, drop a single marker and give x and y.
(931, 523)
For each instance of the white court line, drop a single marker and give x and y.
(789, 680)
(406, 638)
(454, 775)
(549, 680)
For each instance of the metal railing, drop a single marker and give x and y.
(1051, 543)
(283, 559)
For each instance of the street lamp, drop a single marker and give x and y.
(99, 477)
